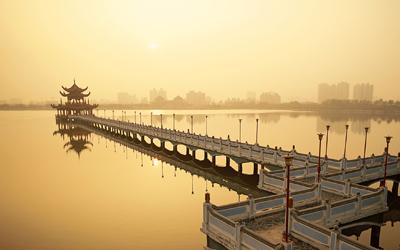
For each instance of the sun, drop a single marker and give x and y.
(153, 45)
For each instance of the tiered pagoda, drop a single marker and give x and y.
(77, 102)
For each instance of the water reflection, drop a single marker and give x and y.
(242, 184)
(78, 138)
(379, 230)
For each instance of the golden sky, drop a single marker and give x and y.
(222, 47)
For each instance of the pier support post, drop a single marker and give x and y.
(162, 144)
(175, 148)
(375, 236)
(187, 151)
(240, 168)
(205, 156)
(214, 160)
(228, 161)
(194, 155)
(255, 168)
(395, 189)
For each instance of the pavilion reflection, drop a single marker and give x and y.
(78, 138)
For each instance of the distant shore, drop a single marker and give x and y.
(377, 108)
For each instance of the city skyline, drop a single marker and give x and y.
(133, 46)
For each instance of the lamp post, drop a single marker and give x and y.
(320, 136)
(388, 138)
(104, 113)
(257, 131)
(326, 143)
(365, 144)
(135, 117)
(206, 124)
(345, 141)
(173, 121)
(240, 130)
(140, 118)
(191, 124)
(113, 114)
(151, 118)
(161, 121)
(288, 163)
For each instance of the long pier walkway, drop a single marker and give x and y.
(320, 205)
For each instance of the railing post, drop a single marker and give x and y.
(262, 154)
(238, 235)
(333, 239)
(252, 209)
(347, 187)
(206, 207)
(358, 204)
(261, 178)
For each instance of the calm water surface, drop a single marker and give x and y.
(52, 198)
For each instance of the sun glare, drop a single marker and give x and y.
(153, 45)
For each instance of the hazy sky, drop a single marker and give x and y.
(224, 48)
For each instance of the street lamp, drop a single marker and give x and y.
(135, 117)
(326, 143)
(345, 141)
(191, 123)
(113, 114)
(288, 163)
(151, 118)
(140, 118)
(240, 130)
(173, 121)
(320, 136)
(161, 120)
(257, 131)
(388, 138)
(365, 144)
(206, 124)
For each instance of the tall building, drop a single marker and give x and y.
(270, 98)
(197, 98)
(251, 97)
(338, 91)
(126, 98)
(363, 92)
(157, 94)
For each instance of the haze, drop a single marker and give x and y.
(223, 48)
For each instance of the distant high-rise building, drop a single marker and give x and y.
(126, 98)
(270, 98)
(342, 91)
(157, 94)
(197, 98)
(338, 91)
(251, 97)
(363, 92)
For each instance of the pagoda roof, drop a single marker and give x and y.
(74, 95)
(74, 88)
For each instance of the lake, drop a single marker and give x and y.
(112, 197)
